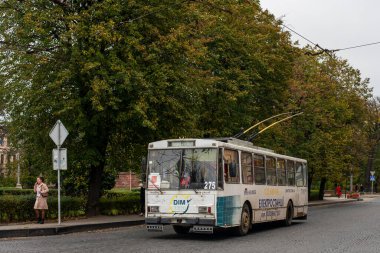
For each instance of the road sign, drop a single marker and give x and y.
(58, 133)
(63, 156)
(372, 178)
(372, 172)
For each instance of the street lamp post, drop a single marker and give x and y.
(351, 179)
(18, 185)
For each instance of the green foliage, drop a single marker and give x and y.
(120, 205)
(117, 193)
(17, 205)
(28, 181)
(16, 208)
(7, 181)
(314, 194)
(120, 74)
(15, 191)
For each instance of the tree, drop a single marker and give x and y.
(333, 97)
(120, 74)
(102, 75)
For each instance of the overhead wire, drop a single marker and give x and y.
(353, 47)
(323, 50)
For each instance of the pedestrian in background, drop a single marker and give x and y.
(338, 191)
(40, 206)
(356, 188)
(361, 188)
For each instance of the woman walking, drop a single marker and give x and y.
(40, 206)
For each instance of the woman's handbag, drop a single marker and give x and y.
(44, 194)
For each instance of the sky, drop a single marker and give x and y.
(336, 24)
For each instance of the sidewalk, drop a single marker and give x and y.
(330, 201)
(104, 222)
(71, 226)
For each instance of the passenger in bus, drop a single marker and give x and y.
(185, 180)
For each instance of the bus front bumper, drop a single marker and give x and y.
(183, 221)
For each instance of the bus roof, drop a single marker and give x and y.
(229, 142)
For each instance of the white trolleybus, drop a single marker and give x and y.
(202, 184)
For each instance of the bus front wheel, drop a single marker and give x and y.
(289, 214)
(181, 229)
(245, 222)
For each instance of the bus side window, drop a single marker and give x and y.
(290, 173)
(281, 172)
(299, 174)
(247, 170)
(271, 171)
(259, 169)
(231, 166)
(220, 169)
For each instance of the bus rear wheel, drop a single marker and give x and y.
(181, 229)
(245, 221)
(289, 214)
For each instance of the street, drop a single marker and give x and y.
(350, 227)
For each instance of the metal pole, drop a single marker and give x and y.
(58, 171)
(18, 185)
(351, 182)
(345, 189)
(372, 188)
(130, 180)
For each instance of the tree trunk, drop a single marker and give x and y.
(309, 186)
(94, 190)
(322, 188)
(99, 143)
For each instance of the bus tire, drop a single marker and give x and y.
(245, 221)
(289, 214)
(182, 230)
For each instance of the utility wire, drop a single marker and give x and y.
(303, 37)
(347, 48)
(323, 50)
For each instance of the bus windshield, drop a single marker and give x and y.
(184, 168)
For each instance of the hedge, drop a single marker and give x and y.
(120, 193)
(314, 195)
(15, 191)
(120, 205)
(19, 208)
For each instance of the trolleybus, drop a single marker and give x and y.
(200, 184)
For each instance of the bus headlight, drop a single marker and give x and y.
(153, 209)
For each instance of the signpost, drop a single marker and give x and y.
(58, 134)
(372, 178)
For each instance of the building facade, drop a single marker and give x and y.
(6, 156)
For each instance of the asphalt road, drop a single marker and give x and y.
(350, 227)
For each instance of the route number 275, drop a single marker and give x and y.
(210, 185)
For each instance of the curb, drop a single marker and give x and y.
(332, 202)
(59, 230)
